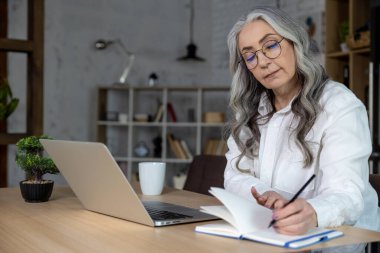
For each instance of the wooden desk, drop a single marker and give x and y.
(62, 225)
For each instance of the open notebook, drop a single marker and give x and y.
(246, 219)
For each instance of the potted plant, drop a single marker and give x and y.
(343, 34)
(30, 158)
(7, 102)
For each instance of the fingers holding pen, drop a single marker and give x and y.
(273, 200)
(296, 218)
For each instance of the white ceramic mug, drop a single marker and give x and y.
(123, 117)
(152, 177)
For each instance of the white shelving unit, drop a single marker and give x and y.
(135, 100)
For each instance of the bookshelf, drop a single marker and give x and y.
(347, 66)
(137, 104)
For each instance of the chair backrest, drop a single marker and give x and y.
(205, 171)
(374, 179)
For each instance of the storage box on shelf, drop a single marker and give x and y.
(351, 65)
(158, 123)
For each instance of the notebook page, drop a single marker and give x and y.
(221, 212)
(248, 215)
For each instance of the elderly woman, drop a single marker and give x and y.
(291, 122)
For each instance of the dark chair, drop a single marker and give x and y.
(374, 179)
(205, 171)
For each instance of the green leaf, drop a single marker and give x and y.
(2, 112)
(3, 94)
(6, 108)
(11, 107)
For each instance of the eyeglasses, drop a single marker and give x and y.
(271, 49)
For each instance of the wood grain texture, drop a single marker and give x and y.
(62, 225)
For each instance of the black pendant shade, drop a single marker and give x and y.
(191, 47)
(191, 54)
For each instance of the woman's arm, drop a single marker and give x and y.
(237, 181)
(343, 166)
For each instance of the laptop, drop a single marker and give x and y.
(101, 186)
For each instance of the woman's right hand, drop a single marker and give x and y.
(269, 199)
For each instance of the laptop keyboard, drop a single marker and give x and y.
(165, 215)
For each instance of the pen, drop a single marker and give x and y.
(295, 196)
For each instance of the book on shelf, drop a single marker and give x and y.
(221, 148)
(171, 112)
(215, 147)
(245, 219)
(159, 114)
(185, 147)
(176, 147)
(208, 147)
(181, 152)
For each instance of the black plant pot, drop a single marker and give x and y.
(36, 192)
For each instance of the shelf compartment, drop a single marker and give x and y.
(116, 139)
(112, 100)
(212, 141)
(337, 12)
(183, 104)
(335, 69)
(180, 144)
(360, 76)
(146, 102)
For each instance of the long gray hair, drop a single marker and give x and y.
(246, 91)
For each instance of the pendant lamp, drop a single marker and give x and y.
(191, 47)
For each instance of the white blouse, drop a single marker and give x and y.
(341, 145)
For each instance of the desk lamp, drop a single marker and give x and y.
(103, 44)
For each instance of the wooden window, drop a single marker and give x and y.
(33, 48)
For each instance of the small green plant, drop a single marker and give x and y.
(343, 31)
(7, 102)
(30, 158)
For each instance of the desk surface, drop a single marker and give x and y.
(62, 225)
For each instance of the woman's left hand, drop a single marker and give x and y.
(269, 199)
(296, 218)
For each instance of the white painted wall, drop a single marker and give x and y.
(156, 31)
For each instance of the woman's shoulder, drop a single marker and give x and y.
(336, 96)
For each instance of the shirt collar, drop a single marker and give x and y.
(265, 106)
